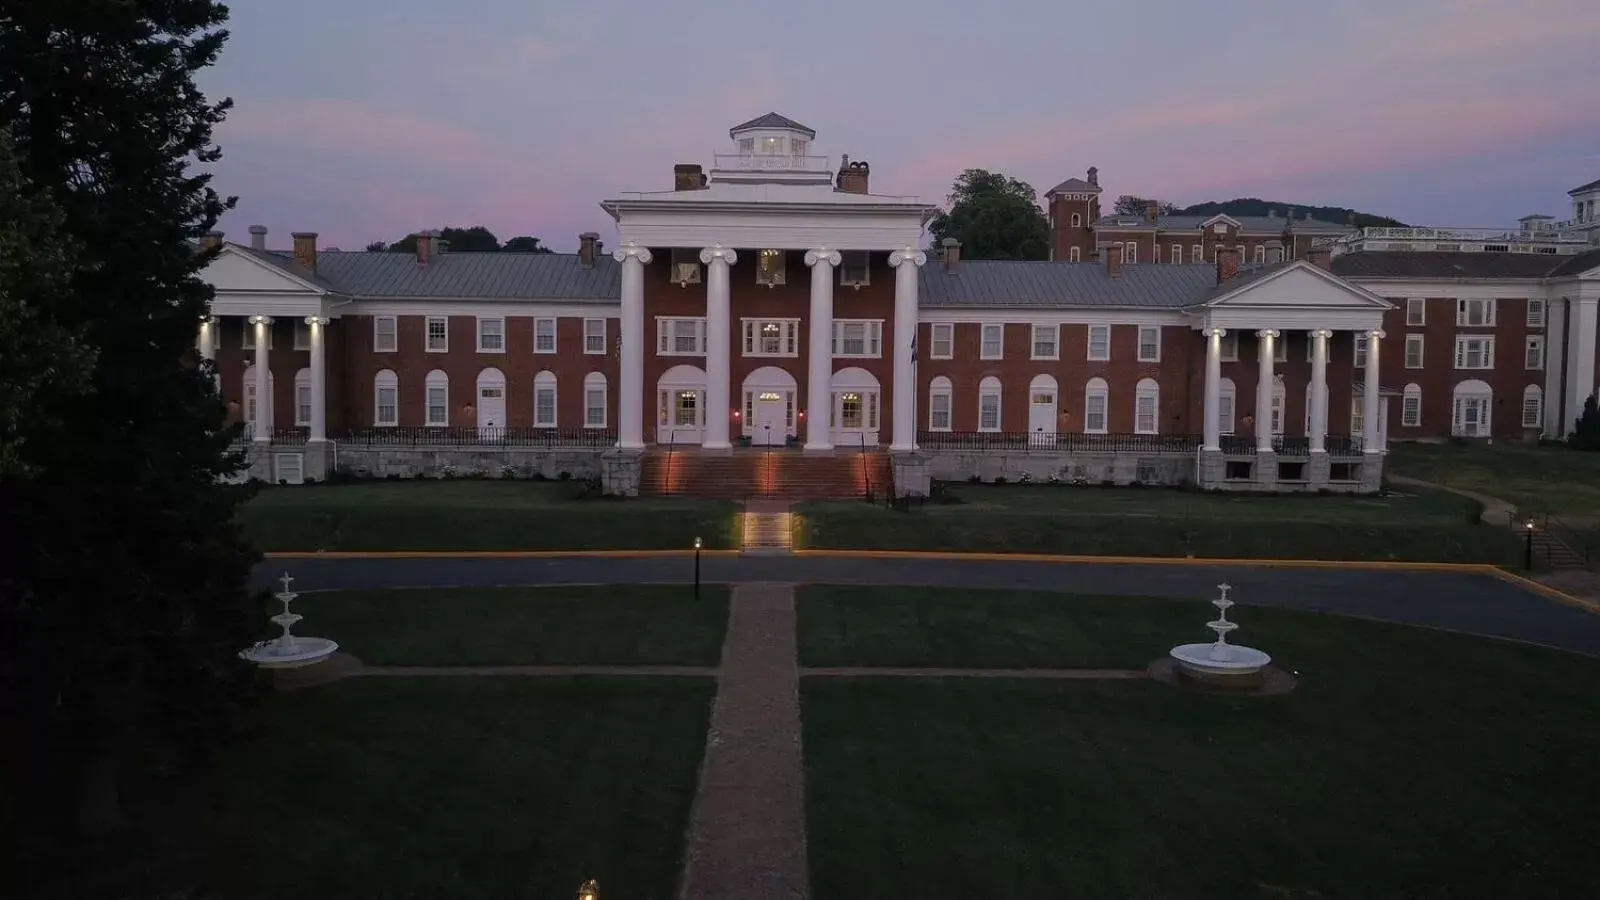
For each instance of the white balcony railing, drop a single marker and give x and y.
(770, 162)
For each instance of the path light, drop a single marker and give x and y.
(1527, 551)
(589, 890)
(697, 544)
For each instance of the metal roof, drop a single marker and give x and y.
(771, 120)
(1584, 187)
(1574, 265)
(1074, 186)
(1010, 284)
(503, 275)
(1248, 224)
(1433, 264)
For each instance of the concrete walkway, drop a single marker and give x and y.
(747, 836)
(1496, 512)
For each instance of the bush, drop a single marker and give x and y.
(1586, 431)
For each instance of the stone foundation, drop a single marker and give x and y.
(491, 462)
(912, 474)
(1254, 472)
(620, 472)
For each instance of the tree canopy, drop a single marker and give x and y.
(123, 598)
(473, 239)
(525, 244)
(994, 216)
(1132, 205)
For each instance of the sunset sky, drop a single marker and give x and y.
(366, 120)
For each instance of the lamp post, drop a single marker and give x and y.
(1527, 552)
(589, 890)
(697, 568)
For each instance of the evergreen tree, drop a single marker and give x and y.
(123, 586)
(1586, 431)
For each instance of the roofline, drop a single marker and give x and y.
(480, 299)
(1445, 279)
(1295, 265)
(249, 253)
(614, 207)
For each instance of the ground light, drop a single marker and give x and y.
(589, 890)
(697, 545)
(1527, 551)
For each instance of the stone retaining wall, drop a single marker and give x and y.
(491, 462)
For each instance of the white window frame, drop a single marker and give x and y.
(940, 389)
(1227, 406)
(1074, 254)
(858, 260)
(667, 335)
(546, 385)
(871, 338)
(1418, 305)
(427, 334)
(442, 385)
(1485, 346)
(1411, 406)
(595, 383)
(1155, 355)
(1105, 343)
(385, 380)
(1359, 348)
(1130, 252)
(1230, 346)
(547, 342)
(1096, 401)
(1077, 220)
(991, 388)
(594, 344)
(1197, 253)
(302, 334)
(1177, 254)
(1052, 336)
(379, 333)
(491, 321)
(1532, 400)
(751, 336)
(1147, 390)
(302, 398)
(999, 341)
(942, 333)
(1483, 310)
(1261, 253)
(1535, 317)
(1415, 347)
(1533, 353)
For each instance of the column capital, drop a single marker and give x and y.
(717, 251)
(1267, 333)
(318, 320)
(823, 254)
(910, 254)
(207, 319)
(1323, 333)
(260, 320)
(1377, 333)
(632, 250)
(1213, 331)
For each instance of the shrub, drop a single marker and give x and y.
(1586, 431)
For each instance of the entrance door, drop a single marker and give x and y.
(1472, 415)
(769, 422)
(491, 406)
(1042, 419)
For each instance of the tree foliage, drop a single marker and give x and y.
(1586, 430)
(123, 598)
(525, 244)
(474, 239)
(1131, 205)
(994, 216)
(1250, 206)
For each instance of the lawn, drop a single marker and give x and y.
(475, 515)
(1536, 479)
(620, 624)
(1407, 763)
(1135, 521)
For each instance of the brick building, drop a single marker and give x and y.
(774, 301)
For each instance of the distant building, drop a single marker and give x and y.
(1537, 233)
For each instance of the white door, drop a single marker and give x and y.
(1473, 414)
(491, 406)
(1042, 419)
(767, 425)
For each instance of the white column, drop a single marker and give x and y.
(905, 263)
(1213, 407)
(718, 323)
(1581, 320)
(630, 401)
(1319, 390)
(206, 343)
(819, 378)
(263, 423)
(1265, 348)
(1555, 366)
(318, 325)
(1371, 427)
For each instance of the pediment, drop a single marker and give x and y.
(235, 270)
(1299, 286)
(1222, 219)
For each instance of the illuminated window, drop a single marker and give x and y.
(769, 267)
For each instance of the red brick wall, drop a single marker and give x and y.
(1064, 236)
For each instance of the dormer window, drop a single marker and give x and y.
(685, 266)
(747, 146)
(769, 271)
(771, 146)
(798, 147)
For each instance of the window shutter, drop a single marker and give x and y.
(1488, 353)
(699, 335)
(835, 338)
(663, 334)
(1461, 352)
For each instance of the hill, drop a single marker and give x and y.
(1250, 206)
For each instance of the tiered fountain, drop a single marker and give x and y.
(288, 651)
(1220, 662)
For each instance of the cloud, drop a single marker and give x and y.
(347, 127)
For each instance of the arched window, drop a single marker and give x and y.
(1472, 402)
(1077, 220)
(594, 400)
(302, 397)
(1227, 399)
(1532, 407)
(544, 399)
(939, 411)
(989, 404)
(1411, 406)
(437, 412)
(1074, 254)
(1096, 403)
(1147, 407)
(386, 399)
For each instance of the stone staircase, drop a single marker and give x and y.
(1556, 554)
(781, 475)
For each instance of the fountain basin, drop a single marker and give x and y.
(1220, 662)
(305, 651)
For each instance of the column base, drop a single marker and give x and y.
(902, 448)
(817, 448)
(630, 445)
(1266, 471)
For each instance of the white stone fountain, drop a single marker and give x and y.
(1220, 661)
(288, 651)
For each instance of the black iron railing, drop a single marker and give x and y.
(477, 437)
(1056, 442)
(1338, 445)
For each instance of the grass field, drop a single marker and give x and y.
(617, 624)
(1407, 763)
(1409, 525)
(1536, 479)
(475, 515)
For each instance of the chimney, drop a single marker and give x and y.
(258, 237)
(951, 250)
(1227, 264)
(305, 249)
(424, 247)
(440, 246)
(211, 240)
(1151, 210)
(1112, 253)
(1321, 257)
(1094, 176)
(688, 177)
(589, 248)
(852, 178)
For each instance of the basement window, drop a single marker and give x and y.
(1237, 470)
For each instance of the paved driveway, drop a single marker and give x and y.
(1464, 601)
